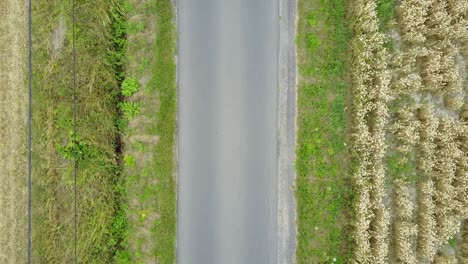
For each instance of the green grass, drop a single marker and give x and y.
(163, 83)
(385, 12)
(97, 139)
(150, 165)
(324, 192)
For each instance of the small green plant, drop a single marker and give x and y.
(143, 215)
(141, 146)
(130, 86)
(121, 123)
(312, 20)
(313, 42)
(129, 109)
(129, 161)
(76, 148)
(137, 27)
(119, 236)
(122, 257)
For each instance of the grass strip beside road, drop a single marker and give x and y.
(149, 136)
(324, 193)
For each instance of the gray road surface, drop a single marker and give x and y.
(227, 201)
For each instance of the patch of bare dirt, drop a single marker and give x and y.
(13, 137)
(58, 36)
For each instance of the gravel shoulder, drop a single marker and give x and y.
(13, 120)
(286, 210)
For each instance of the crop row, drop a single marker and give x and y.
(405, 229)
(371, 80)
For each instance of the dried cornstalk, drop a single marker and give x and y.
(427, 133)
(405, 228)
(412, 15)
(405, 129)
(461, 173)
(445, 196)
(371, 80)
(426, 241)
(445, 259)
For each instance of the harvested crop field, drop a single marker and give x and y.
(407, 134)
(410, 132)
(13, 137)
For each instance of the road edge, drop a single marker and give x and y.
(286, 206)
(175, 9)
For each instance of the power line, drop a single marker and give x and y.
(74, 123)
(29, 125)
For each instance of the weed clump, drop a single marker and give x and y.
(130, 86)
(129, 109)
(129, 161)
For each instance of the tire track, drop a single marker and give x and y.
(13, 120)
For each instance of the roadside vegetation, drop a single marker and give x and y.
(324, 192)
(149, 109)
(109, 103)
(97, 142)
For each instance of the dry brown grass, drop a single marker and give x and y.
(371, 79)
(13, 140)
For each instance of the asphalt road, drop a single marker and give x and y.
(227, 145)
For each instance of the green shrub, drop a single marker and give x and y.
(130, 86)
(129, 109)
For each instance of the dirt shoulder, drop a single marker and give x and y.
(13, 121)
